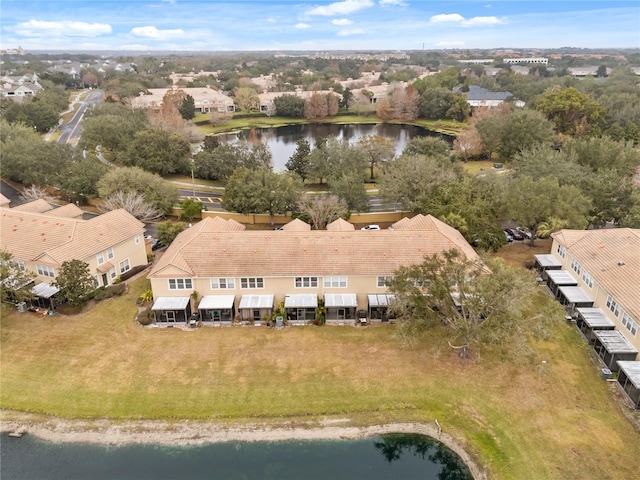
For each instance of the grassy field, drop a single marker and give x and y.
(521, 418)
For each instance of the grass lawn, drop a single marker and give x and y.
(521, 418)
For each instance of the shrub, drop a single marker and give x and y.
(130, 273)
(103, 293)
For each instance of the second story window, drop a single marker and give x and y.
(382, 281)
(631, 324)
(100, 258)
(587, 279)
(575, 266)
(252, 282)
(223, 283)
(562, 251)
(306, 282)
(110, 254)
(335, 282)
(613, 306)
(180, 284)
(45, 271)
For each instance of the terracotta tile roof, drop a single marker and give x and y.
(36, 206)
(612, 258)
(70, 210)
(202, 252)
(340, 225)
(29, 236)
(297, 225)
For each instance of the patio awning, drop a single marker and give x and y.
(561, 277)
(170, 303)
(547, 260)
(575, 294)
(594, 317)
(301, 300)
(631, 370)
(45, 290)
(614, 342)
(215, 302)
(380, 299)
(256, 301)
(340, 300)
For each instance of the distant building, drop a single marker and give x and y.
(585, 71)
(206, 99)
(481, 97)
(18, 87)
(534, 60)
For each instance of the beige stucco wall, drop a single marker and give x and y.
(276, 286)
(599, 296)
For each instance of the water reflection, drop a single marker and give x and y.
(393, 446)
(282, 141)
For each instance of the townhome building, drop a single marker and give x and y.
(223, 273)
(206, 99)
(41, 240)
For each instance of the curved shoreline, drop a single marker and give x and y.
(188, 433)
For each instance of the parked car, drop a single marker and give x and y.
(371, 227)
(524, 231)
(156, 244)
(508, 237)
(515, 234)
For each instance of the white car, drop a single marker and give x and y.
(371, 227)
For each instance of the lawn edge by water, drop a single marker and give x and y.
(186, 433)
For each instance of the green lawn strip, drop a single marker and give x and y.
(522, 418)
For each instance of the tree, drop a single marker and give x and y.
(376, 150)
(246, 98)
(75, 282)
(322, 209)
(477, 307)
(190, 208)
(289, 106)
(81, 178)
(15, 281)
(315, 107)
(522, 129)
(531, 202)
(220, 163)
(572, 112)
(427, 146)
(158, 151)
(188, 107)
(490, 131)
(349, 186)
(468, 143)
(333, 105)
(299, 161)
(132, 202)
(35, 192)
(151, 187)
(410, 179)
(602, 71)
(168, 231)
(262, 191)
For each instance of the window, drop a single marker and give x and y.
(335, 282)
(20, 265)
(110, 253)
(124, 265)
(137, 239)
(382, 281)
(306, 282)
(631, 324)
(180, 284)
(223, 283)
(112, 273)
(562, 251)
(252, 282)
(575, 266)
(587, 279)
(100, 258)
(613, 306)
(45, 271)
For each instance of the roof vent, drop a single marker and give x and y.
(620, 263)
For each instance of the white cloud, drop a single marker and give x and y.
(38, 28)
(341, 22)
(394, 3)
(471, 22)
(352, 31)
(482, 21)
(447, 18)
(341, 8)
(134, 47)
(302, 26)
(450, 44)
(153, 32)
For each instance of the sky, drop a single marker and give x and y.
(284, 25)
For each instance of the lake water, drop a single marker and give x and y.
(282, 141)
(392, 456)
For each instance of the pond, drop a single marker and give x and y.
(282, 141)
(390, 456)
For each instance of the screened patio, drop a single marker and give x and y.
(545, 262)
(612, 346)
(256, 307)
(574, 297)
(379, 306)
(629, 380)
(171, 310)
(300, 308)
(591, 319)
(341, 307)
(216, 310)
(559, 278)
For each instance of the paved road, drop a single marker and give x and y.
(70, 131)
